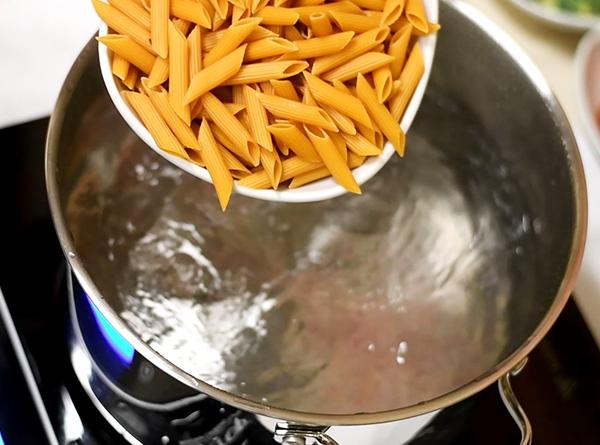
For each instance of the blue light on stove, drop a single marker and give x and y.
(117, 342)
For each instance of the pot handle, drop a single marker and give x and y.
(296, 434)
(512, 404)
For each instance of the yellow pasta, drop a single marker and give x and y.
(347, 21)
(193, 11)
(285, 89)
(415, 14)
(215, 164)
(295, 139)
(179, 73)
(160, 99)
(122, 24)
(332, 159)
(264, 71)
(230, 125)
(129, 50)
(320, 24)
(257, 117)
(212, 76)
(268, 47)
(231, 39)
(119, 66)
(157, 127)
(159, 17)
(343, 102)
(409, 78)
(357, 46)
(364, 63)
(296, 111)
(320, 46)
(133, 10)
(272, 15)
(392, 11)
(382, 78)
(397, 49)
(269, 93)
(380, 114)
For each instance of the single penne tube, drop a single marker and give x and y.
(360, 145)
(160, 99)
(265, 71)
(392, 11)
(133, 10)
(343, 122)
(357, 46)
(297, 111)
(179, 73)
(305, 11)
(272, 15)
(194, 41)
(268, 47)
(332, 158)
(159, 19)
(229, 124)
(343, 102)
(215, 164)
(119, 66)
(231, 39)
(409, 79)
(415, 14)
(348, 21)
(122, 24)
(376, 5)
(272, 165)
(195, 12)
(130, 50)
(212, 76)
(257, 118)
(233, 108)
(157, 127)
(398, 47)
(319, 46)
(320, 24)
(382, 78)
(285, 89)
(209, 40)
(380, 114)
(308, 177)
(291, 135)
(132, 78)
(159, 72)
(363, 64)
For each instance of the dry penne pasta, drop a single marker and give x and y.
(268, 93)
(380, 114)
(364, 63)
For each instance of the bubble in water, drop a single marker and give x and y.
(371, 347)
(71, 254)
(519, 250)
(222, 410)
(242, 384)
(165, 440)
(401, 353)
(264, 399)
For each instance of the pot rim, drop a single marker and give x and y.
(456, 395)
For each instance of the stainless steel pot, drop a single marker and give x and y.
(434, 284)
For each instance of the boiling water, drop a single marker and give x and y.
(350, 305)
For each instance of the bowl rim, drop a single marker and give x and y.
(585, 108)
(316, 191)
(454, 396)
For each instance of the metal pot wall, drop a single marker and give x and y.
(435, 283)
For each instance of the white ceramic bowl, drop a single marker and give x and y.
(316, 191)
(587, 84)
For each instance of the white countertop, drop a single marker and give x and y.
(40, 39)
